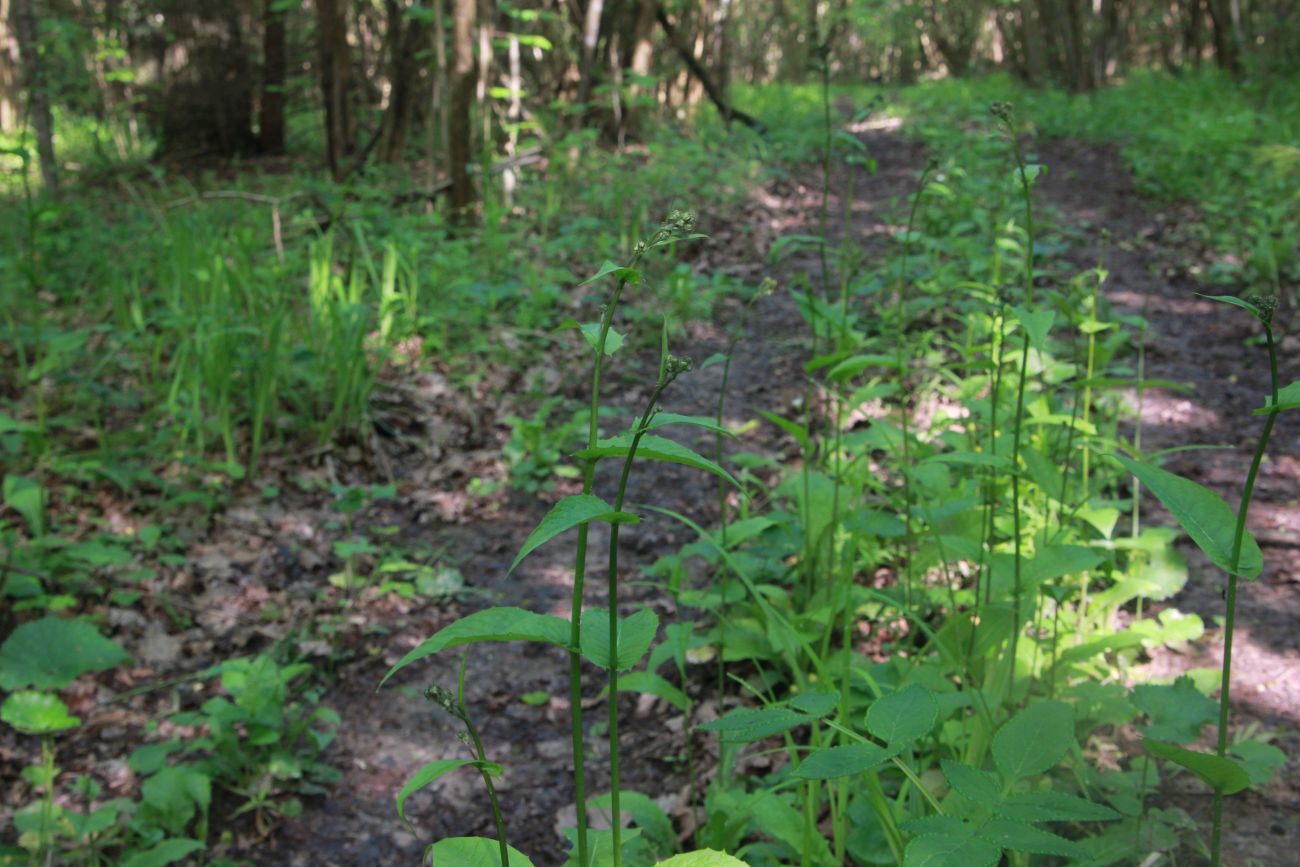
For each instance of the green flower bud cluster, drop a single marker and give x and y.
(1266, 305)
(1002, 110)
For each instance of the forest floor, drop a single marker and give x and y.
(257, 553)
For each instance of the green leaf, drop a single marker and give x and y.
(1203, 514)
(1037, 323)
(166, 852)
(1259, 760)
(27, 498)
(430, 772)
(646, 815)
(1235, 302)
(797, 431)
(613, 340)
(702, 858)
(51, 653)
(1287, 398)
(850, 367)
(968, 459)
(37, 713)
(657, 449)
(902, 717)
(630, 275)
(652, 684)
(950, 850)
(473, 852)
(1053, 807)
(635, 634)
(1020, 837)
(978, 787)
(1177, 711)
(491, 624)
(567, 514)
(1033, 740)
(844, 761)
(747, 725)
(663, 419)
(1222, 775)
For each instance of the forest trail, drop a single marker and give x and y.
(387, 734)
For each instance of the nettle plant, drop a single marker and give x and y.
(601, 636)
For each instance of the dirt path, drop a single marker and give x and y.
(1204, 344)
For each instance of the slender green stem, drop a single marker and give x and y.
(481, 755)
(1230, 617)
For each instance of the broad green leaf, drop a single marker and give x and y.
(1034, 740)
(1036, 322)
(567, 514)
(776, 817)
(979, 787)
(432, 771)
(655, 448)
(1057, 561)
(796, 431)
(491, 624)
(702, 858)
(591, 331)
(1203, 514)
(946, 850)
(663, 419)
(1222, 775)
(817, 704)
(635, 635)
(844, 761)
(1259, 760)
(1053, 807)
(646, 815)
(27, 498)
(852, 366)
(1287, 398)
(968, 459)
(166, 852)
(52, 652)
(1020, 837)
(902, 717)
(473, 852)
(37, 713)
(746, 725)
(652, 684)
(1177, 711)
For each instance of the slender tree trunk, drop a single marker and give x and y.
(1226, 16)
(335, 81)
(23, 20)
(9, 101)
(406, 41)
(462, 96)
(587, 61)
(441, 102)
(274, 68)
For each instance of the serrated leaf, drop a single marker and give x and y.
(657, 449)
(844, 761)
(430, 772)
(52, 652)
(1034, 740)
(1177, 711)
(491, 624)
(902, 717)
(1222, 775)
(1053, 807)
(1019, 837)
(816, 704)
(947, 850)
(473, 852)
(635, 635)
(591, 331)
(979, 787)
(1203, 514)
(567, 514)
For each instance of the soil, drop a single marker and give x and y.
(254, 555)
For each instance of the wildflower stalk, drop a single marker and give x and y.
(1265, 308)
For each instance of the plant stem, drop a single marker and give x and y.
(1229, 622)
(481, 755)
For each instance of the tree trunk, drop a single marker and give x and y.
(587, 61)
(24, 23)
(718, 99)
(1226, 16)
(274, 68)
(406, 41)
(462, 97)
(335, 83)
(9, 107)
